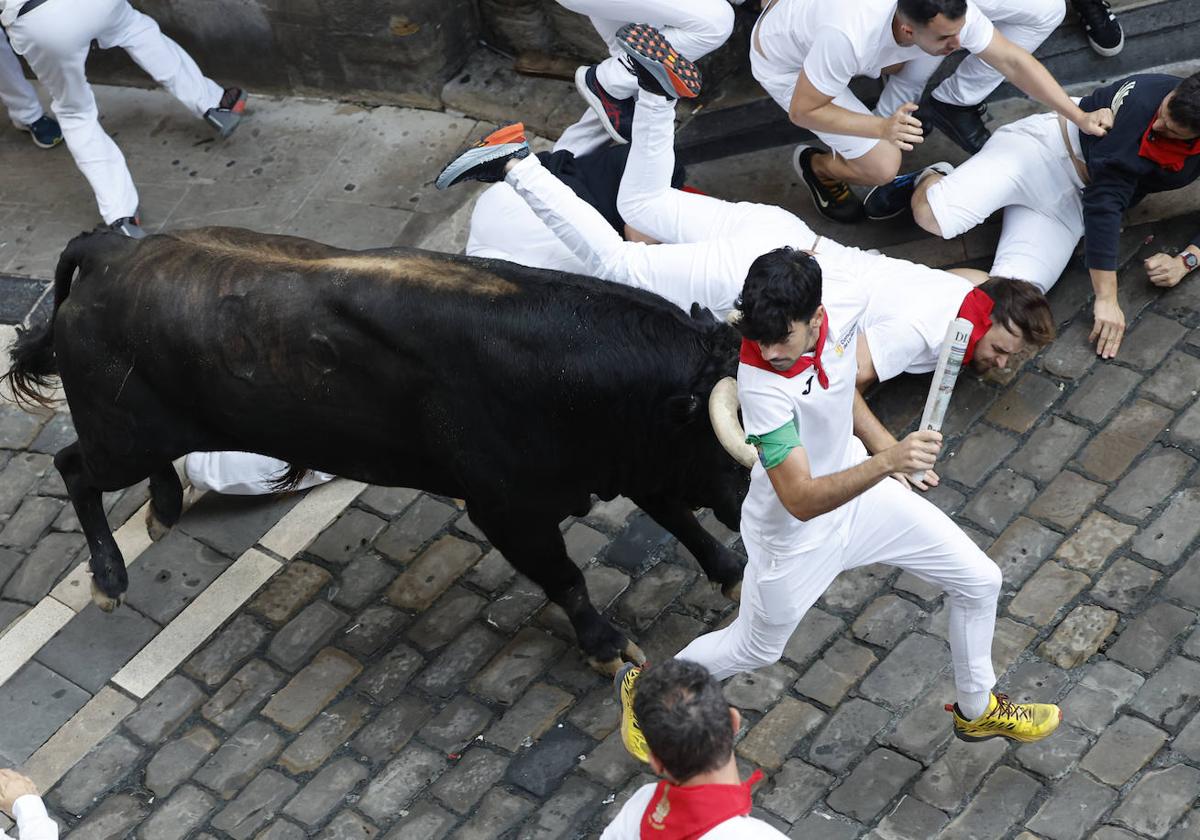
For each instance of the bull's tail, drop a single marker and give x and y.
(32, 355)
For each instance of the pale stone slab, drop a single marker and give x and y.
(1078, 636)
(199, 620)
(305, 521)
(71, 742)
(31, 631)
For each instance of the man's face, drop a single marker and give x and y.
(1164, 126)
(939, 36)
(993, 351)
(782, 355)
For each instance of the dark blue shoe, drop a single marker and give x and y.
(889, 200)
(616, 115)
(45, 132)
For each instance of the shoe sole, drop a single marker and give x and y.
(1108, 52)
(946, 128)
(38, 142)
(470, 159)
(597, 106)
(238, 108)
(647, 46)
(812, 190)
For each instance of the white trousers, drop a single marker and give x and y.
(1024, 169)
(241, 473)
(887, 524)
(16, 93)
(54, 38)
(712, 242)
(694, 28)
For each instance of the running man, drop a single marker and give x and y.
(817, 504)
(1057, 184)
(804, 53)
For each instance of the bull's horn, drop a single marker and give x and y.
(722, 413)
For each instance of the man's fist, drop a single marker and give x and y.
(916, 453)
(12, 787)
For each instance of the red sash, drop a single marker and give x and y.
(752, 355)
(1167, 152)
(688, 812)
(976, 308)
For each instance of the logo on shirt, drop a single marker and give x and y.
(1119, 97)
(844, 340)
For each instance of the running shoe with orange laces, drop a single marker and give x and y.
(658, 67)
(486, 159)
(1005, 719)
(833, 199)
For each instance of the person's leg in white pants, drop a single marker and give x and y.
(1036, 246)
(16, 92)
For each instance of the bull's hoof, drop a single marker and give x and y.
(609, 667)
(633, 653)
(154, 526)
(733, 593)
(105, 602)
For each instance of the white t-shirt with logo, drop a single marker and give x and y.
(824, 418)
(628, 823)
(833, 41)
(910, 307)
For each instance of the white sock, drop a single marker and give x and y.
(972, 704)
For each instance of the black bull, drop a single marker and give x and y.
(521, 391)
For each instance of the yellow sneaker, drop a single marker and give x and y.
(631, 733)
(1005, 719)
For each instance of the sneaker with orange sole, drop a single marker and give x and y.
(658, 67)
(486, 159)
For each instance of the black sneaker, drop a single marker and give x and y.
(1103, 29)
(834, 200)
(44, 132)
(616, 115)
(486, 159)
(228, 113)
(889, 200)
(130, 226)
(658, 67)
(962, 123)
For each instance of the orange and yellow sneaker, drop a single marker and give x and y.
(1005, 719)
(631, 734)
(485, 160)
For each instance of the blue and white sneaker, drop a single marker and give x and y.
(45, 132)
(890, 200)
(486, 159)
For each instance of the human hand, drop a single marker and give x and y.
(916, 453)
(1165, 270)
(927, 481)
(1109, 327)
(1096, 123)
(902, 129)
(12, 787)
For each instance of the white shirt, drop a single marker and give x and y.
(9, 9)
(910, 306)
(241, 473)
(834, 40)
(33, 823)
(628, 823)
(824, 418)
(504, 227)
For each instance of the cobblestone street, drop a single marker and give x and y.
(358, 662)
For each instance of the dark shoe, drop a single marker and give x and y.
(616, 115)
(1103, 29)
(834, 199)
(226, 116)
(486, 159)
(889, 200)
(130, 226)
(962, 123)
(658, 67)
(45, 132)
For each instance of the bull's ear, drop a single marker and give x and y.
(684, 409)
(702, 313)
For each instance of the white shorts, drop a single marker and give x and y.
(1025, 169)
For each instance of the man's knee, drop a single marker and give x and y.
(879, 166)
(982, 583)
(923, 214)
(717, 24)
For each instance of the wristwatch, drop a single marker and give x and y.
(1190, 260)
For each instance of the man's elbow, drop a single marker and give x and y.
(800, 508)
(800, 116)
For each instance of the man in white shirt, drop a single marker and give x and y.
(804, 53)
(689, 728)
(19, 797)
(21, 100)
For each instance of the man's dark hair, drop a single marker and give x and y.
(1184, 107)
(685, 718)
(782, 286)
(923, 11)
(1020, 304)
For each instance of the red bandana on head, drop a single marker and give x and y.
(685, 813)
(752, 355)
(1167, 152)
(976, 308)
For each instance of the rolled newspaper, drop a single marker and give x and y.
(949, 363)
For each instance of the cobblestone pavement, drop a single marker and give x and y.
(396, 679)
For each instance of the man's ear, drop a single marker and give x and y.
(657, 766)
(735, 718)
(684, 408)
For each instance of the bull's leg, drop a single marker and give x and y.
(722, 565)
(109, 579)
(534, 546)
(166, 502)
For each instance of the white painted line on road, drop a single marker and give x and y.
(29, 633)
(316, 511)
(199, 619)
(71, 742)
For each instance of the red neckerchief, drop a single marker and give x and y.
(976, 308)
(1167, 152)
(685, 813)
(752, 355)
